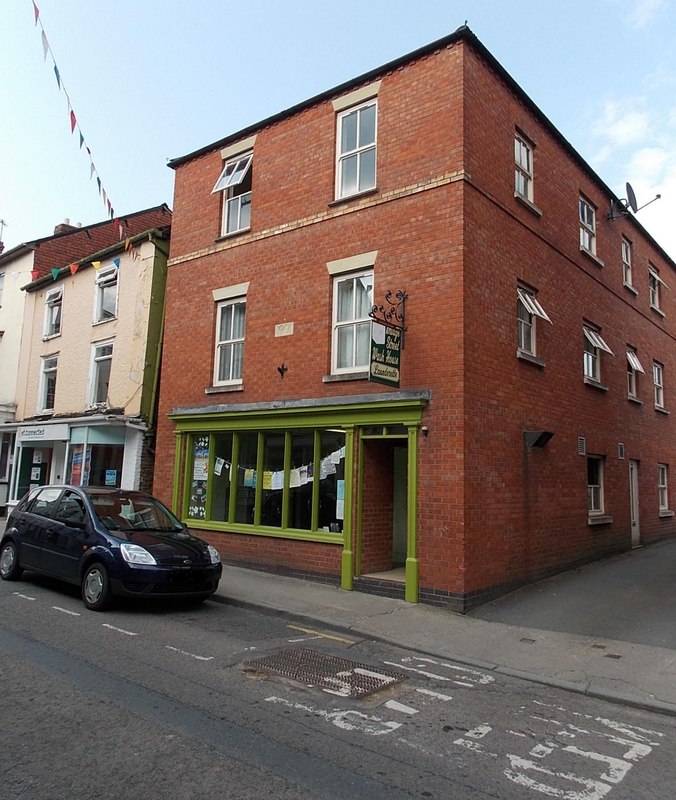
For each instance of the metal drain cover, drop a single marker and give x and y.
(333, 675)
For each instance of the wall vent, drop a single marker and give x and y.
(582, 445)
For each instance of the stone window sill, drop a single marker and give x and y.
(599, 519)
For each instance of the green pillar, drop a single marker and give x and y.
(411, 590)
(347, 559)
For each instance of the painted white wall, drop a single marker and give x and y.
(17, 274)
(78, 334)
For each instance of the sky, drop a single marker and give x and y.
(152, 80)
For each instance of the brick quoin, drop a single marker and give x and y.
(492, 513)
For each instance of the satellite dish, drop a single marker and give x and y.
(631, 198)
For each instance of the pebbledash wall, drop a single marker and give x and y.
(513, 329)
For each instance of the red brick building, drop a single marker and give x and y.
(530, 427)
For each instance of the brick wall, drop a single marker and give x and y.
(448, 229)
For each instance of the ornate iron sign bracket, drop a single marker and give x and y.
(392, 313)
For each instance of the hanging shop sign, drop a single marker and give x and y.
(387, 339)
(385, 354)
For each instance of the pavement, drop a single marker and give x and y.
(607, 629)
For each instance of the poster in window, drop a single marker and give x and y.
(197, 507)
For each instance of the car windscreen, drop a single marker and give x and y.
(133, 512)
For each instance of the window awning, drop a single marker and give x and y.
(233, 173)
(632, 358)
(532, 305)
(595, 338)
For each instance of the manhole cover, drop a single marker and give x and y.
(333, 675)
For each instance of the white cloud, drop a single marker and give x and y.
(642, 12)
(623, 122)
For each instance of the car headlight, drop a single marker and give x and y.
(135, 554)
(214, 555)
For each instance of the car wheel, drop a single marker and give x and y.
(96, 594)
(9, 562)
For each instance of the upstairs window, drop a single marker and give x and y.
(626, 263)
(523, 169)
(593, 346)
(528, 309)
(235, 182)
(102, 361)
(595, 500)
(654, 288)
(356, 151)
(47, 392)
(663, 487)
(352, 302)
(105, 307)
(228, 359)
(587, 226)
(658, 383)
(53, 302)
(634, 367)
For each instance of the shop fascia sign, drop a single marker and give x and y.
(387, 339)
(43, 433)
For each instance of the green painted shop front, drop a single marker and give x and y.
(307, 472)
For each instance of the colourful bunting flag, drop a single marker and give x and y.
(116, 261)
(35, 274)
(46, 49)
(55, 272)
(73, 268)
(96, 264)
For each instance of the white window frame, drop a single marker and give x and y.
(587, 216)
(595, 491)
(105, 278)
(359, 152)
(355, 323)
(594, 344)
(526, 323)
(97, 358)
(53, 313)
(2, 283)
(523, 167)
(49, 366)
(658, 383)
(231, 344)
(654, 284)
(627, 277)
(663, 486)
(235, 173)
(634, 366)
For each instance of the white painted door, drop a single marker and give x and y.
(633, 500)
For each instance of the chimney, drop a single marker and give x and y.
(64, 227)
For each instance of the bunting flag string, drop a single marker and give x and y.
(74, 124)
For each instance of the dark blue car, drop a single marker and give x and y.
(111, 542)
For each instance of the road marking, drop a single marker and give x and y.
(320, 635)
(437, 695)
(23, 596)
(472, 677)
(119, 630)
(349, 720)
(192, 655)
(395, 706)
(303, 639)
(66, 611)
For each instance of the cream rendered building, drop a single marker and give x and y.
(88, 369)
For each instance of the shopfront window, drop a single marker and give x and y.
(301, 484)
(245, 470)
